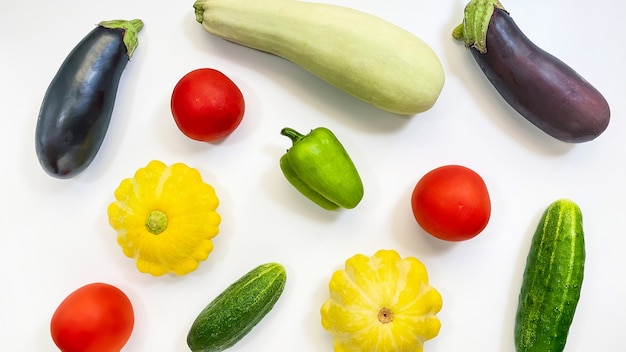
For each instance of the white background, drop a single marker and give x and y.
(56, 238)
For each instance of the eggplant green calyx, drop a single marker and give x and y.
(131, 30)
(319, 167)
(476, 19)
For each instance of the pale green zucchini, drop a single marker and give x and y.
(552, 280)
(364, 55)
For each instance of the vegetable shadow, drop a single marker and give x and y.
(279, 190)
(304, 86)
(461, 65)
(516, 283)
(410, 235)
(314, 327)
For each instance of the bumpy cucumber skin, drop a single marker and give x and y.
(552, 280)
(363, 55)
(239, 308)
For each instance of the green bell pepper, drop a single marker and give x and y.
(319, 167)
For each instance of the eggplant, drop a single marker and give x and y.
(78, 104)
(539, 86)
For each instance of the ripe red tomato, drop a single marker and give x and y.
(95, 318)
(451, 203)
(206, 105)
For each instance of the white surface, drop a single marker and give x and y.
(56, 237)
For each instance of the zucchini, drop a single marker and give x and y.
(552, 280)
(235, 311)
(78, 104)
(365, 56)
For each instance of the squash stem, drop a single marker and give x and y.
(156, 222)
(198, 7)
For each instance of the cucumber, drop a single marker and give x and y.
(365, 56)
(552, 280)
(235, 311)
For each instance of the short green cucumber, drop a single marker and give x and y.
(552, 280)
(239, 308)
(364, 55)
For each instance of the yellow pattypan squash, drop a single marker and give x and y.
(381, 303)
(165, 218)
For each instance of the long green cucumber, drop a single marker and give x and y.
(552, 280)
(239, 308)
(364, 55)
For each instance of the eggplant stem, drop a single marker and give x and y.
(476, 17)
(131, 29)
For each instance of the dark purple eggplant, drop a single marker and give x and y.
(543, 89)
(78, 104)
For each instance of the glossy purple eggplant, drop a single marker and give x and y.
(543, 89)
(78, 104)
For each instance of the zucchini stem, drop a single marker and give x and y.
(199, 10)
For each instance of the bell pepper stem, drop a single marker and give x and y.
(294, 135)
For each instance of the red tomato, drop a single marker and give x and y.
(451, 203)
(95, 318)
(206, 105)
